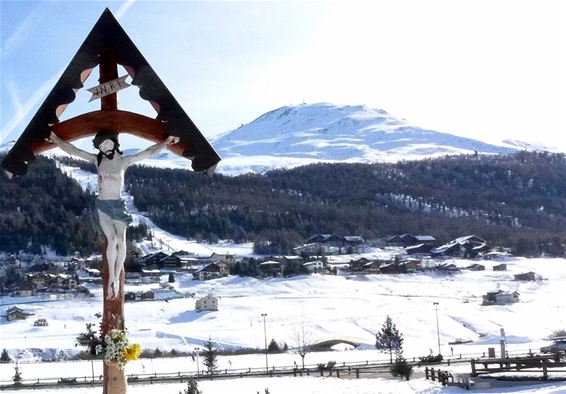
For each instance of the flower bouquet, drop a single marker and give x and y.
(112, 344)
(117, 349)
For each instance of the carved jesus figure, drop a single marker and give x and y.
(112, 214)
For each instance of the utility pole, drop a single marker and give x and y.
(265, 339)
(437, 326)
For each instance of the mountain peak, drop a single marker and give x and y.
(329, 132)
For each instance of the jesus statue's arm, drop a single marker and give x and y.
(152, 150)
(71, 149)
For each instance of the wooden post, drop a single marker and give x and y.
(473, 368)
(113, 312)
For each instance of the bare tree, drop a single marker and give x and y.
(303, 340)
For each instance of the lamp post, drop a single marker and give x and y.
(437, 326)
(265, 339)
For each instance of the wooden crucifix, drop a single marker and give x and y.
(108, 46)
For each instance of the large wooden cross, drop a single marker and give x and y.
(108, 46)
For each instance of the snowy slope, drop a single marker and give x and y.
(328, 307)
(326, 132)
(162, 240)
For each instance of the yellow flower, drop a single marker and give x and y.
(132, 352)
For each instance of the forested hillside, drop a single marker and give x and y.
(46, 208)
(516, 201)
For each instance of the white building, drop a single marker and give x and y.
(314, 266)
(208, 303)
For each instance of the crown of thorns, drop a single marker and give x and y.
(105, 135)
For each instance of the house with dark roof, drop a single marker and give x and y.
(500, 297)
(468, 247)
(407, 239)
(212, 271)
(526, 276)
(153, 258)
(15, 313)
(24, 288)
(171, 261)
(331, 244)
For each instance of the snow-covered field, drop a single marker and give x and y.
(327, 306)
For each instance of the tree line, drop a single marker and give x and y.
(516, 201)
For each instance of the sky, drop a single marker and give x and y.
(484, 69)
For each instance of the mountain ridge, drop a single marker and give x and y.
(350, 133)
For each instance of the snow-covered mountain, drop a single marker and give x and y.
(327, 132)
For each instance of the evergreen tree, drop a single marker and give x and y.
(17, 378)
(5, 357)
(192, 388)
(273, 347)
(401, 367)
(210, 355)
(389, 338)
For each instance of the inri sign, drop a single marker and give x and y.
(108, 88)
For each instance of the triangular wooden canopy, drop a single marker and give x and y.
(108, 37)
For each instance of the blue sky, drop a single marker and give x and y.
(483, 69)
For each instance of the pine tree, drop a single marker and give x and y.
(192, 388)
(401, 367)
(389, 338)
(210, 356)
(5, 357)
(273, 347)
(17, 378)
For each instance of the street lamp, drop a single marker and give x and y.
(265, 339)
(437, 327)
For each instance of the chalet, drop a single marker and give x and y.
(419, 249)
(372, 267)
(171, 261)
(389, 268)
(410, 265)
(468, 247)
(406, 240)
(15, 313)
(153, 258)
(352, 244)
(325, 239)
(226, 258)
(24, 288)
(151, 276)
(314, 266)
(208, 303)
(500, 267)
(271, 267)
(212, 271)
(358, 264)
(147, 295)
(526, 276)
(40, 280)
(70, 283)
(315, 249)
(476, 267)
(500, 297)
